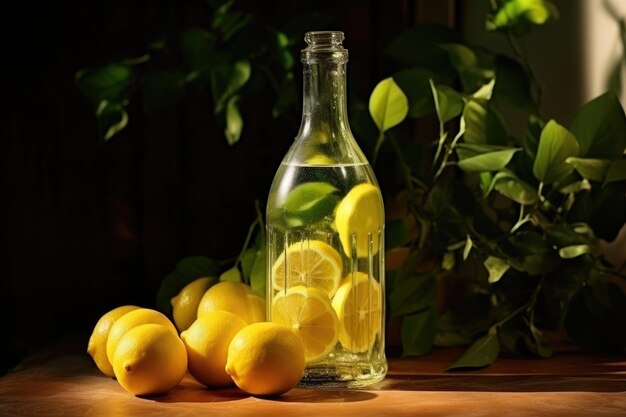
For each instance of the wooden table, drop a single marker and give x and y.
(65, 383)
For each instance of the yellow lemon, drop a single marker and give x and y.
(319, 159)
(149, 359)
(234, 297)
(358, 308)
(207, 343)
(185, 304)
(359, 220)
(97, 346)
(310, 263)
(133, 319)
(265, 359)
(309, 313)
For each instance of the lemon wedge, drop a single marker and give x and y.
(359, 219)
(358, 308)
(310, 263)
(308, 312)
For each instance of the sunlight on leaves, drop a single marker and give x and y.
(556, 144)
(496, 267)
(388, 105)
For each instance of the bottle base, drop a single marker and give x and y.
(338, 376)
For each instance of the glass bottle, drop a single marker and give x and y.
(325, 231)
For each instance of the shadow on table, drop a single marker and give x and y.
(309, 395)
(192, 392)
(503, 383)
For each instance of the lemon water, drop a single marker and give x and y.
(325, 233)
(301, 213)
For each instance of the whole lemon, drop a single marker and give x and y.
(133, 319)
(234, 297)
(185, 304)
(266, 359)
(207, 343)
(149, 359)
(97, 346)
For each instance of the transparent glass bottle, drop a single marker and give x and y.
(325, 231)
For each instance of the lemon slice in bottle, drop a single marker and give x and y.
(359, 218)
(357, 303)
(309, 313)
(310, 263)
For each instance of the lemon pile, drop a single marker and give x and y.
(314, 298)
(141, 347)
(224, 338)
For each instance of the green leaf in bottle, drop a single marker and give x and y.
(309, 203)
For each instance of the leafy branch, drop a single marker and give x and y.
(512, 210)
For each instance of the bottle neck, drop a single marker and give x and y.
(324, 115)
(324, 110)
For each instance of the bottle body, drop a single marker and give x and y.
(325, 237)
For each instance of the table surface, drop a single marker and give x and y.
(64, 382)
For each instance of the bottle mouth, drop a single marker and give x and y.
(324, 45)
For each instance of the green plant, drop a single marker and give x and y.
(235, 57)
(498, 234)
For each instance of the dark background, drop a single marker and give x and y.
(88, 225)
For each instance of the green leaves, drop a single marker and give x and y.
(186, 271)
(420, 46)
(496, 267)
(529, 252)
(197, 47)
(600, 127)
(232, 274)
(234, 121)
(556, 144)
(309, 203)
(448, 103)
(258, 272)
(411, 293)
(513, 85)
(109, 83)
(616, 171)
(418, 332)
(480, 354)
(226, 81)
(471, 160)
(509, 185)
(570, 252)
(518, 15)
(107, 87)
(161, 89)
(483, 124)
(388, 105)
(415, 83)
(112, 118)
(592, 169)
